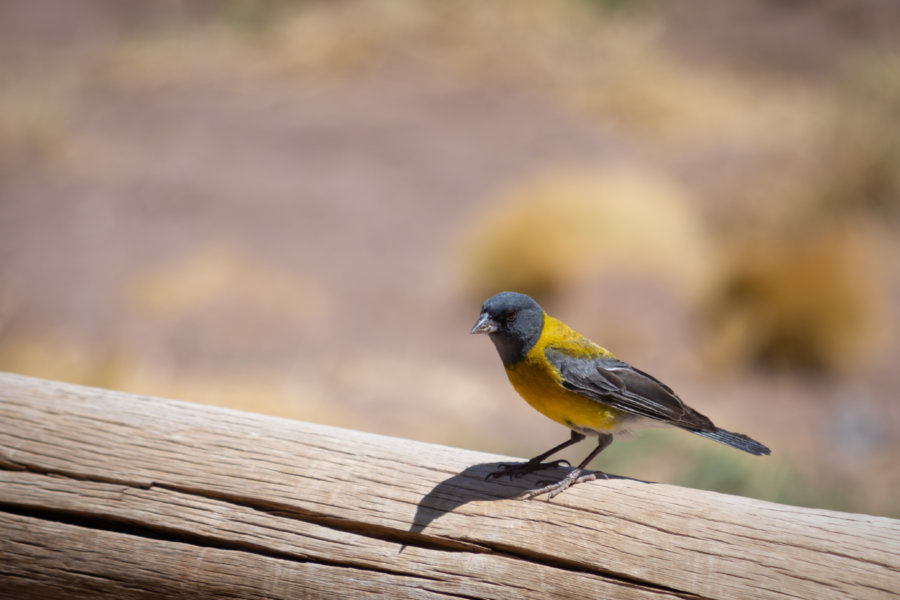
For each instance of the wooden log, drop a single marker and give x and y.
(107, 494)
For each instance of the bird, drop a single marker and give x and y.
(581, 385)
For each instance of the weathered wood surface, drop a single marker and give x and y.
(105, 494)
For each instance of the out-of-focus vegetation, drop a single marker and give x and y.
(577, 224)
(736, 173)
(802, 300)
(857, 165)
(33, 121)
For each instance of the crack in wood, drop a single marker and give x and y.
(384, 533)
(549, 560)
(10, 465)
(134, 528)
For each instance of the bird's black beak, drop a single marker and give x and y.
(484, 324)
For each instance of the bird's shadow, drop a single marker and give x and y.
(472, 484)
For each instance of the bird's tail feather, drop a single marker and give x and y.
(735, 440)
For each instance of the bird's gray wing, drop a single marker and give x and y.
(617, 384)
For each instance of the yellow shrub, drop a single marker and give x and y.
(803, 301)
(567, 225)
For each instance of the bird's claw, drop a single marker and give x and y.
(553, 488)
(514, 470)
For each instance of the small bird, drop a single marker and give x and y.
(573, 381)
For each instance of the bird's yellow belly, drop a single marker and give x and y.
(539, 385)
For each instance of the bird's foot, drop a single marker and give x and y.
(513, 470)
(552, 489)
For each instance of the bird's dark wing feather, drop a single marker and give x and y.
(617, 384)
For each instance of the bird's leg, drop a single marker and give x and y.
(575, 475)
(535, 464)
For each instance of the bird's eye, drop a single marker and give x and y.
(511, 316)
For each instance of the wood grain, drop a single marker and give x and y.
(106, 494)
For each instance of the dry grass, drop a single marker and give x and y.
(222, 278)
(568, 225)
(802, 283)
(859, 158)
(34, 121)
(251, 388)
(609, 65)
(805, 300)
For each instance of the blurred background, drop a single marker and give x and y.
(297, 208)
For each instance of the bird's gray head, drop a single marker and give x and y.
(514, 323)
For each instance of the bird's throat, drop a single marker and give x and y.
(512, 349)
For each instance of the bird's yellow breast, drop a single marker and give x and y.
(539, 383)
